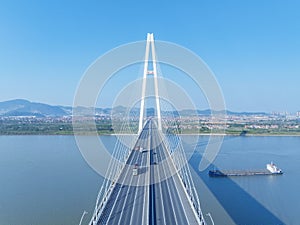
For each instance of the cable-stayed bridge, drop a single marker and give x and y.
(153, 183)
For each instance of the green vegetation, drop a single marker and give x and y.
(46, 128)
(105, 127)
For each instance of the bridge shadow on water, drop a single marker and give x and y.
(240, 205)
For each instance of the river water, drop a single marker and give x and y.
(44, 180)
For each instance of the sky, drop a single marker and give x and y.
(253, 47)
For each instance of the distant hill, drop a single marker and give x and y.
(21, 107)
(206, 112)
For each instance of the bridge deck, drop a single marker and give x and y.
(153, 196)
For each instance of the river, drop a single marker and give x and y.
(44, 180)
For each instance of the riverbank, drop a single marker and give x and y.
(71, 133)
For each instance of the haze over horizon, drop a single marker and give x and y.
(253, 48)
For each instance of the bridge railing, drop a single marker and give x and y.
(120, 156)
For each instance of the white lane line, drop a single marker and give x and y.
(175, 184)
(147, 183)
(123, 178)
(135, 198)
(167, 182)
(187, 196)
(159, 185)
(137, 187)
(139, 158)
(120, 221)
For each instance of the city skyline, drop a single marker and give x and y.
(252, 48)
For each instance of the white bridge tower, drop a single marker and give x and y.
(150, 45)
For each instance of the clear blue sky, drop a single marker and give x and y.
(253, 47)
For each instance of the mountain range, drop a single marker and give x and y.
(21, 107)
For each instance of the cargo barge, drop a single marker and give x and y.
(271, 169)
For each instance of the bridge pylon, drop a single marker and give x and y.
(150, 48)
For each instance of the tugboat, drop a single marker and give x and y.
(216, 173)
(273, 168)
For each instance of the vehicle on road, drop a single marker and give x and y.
(135, 170)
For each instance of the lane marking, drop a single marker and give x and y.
(160, 184)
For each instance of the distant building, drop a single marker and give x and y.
(298, 114)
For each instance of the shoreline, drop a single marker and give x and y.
(190, 134)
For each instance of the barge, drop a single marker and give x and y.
(271, 169)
